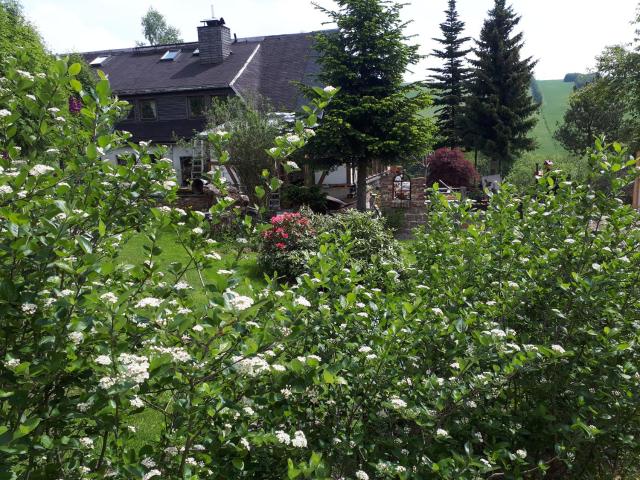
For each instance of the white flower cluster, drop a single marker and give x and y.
(302, 302)
(360, 475)
(29, 308)
(109, 297)
(397, 402)
(149, 302)
(134, 368)
(40, 169)
(178, 354)
(251, 367)
(283, 437)
(236, 301)
(299, 440)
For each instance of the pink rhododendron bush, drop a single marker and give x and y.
(509, 349)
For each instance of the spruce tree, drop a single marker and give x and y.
(500, 111)
(375, 116)
(449, 81)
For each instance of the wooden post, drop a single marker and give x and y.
(636, 187)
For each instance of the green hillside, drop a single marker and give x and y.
(555, 94)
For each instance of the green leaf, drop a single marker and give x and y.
(75, 69)
(76, 85)
(26, 428)
(260, 192)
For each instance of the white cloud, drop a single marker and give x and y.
(565, 35)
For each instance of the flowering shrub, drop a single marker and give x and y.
(449, 168)
(286, 244)
(508, 350)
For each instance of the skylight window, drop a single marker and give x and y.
(98, 61)
(170, 55)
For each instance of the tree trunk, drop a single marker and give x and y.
(361, 191)
(309, 176)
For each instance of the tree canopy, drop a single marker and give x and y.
(373, 117)
(20, 39)
(156, 29)
(591, 114)
(449, 81)
(500, 111)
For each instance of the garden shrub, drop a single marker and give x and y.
(293, 238)
(450, 168)
(286, 245)
(509, 349)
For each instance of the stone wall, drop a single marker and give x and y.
(413, 210)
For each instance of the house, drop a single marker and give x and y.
(170, 86)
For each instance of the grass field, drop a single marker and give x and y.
(555, 94)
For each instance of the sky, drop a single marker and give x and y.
(563, 35)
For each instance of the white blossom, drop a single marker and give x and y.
(151, 474)
(398, 402)
(149, 302)
(283, 437)
(522, 453)
(29, 308)
(4, 113)
(301, 301)
(5, 190)
(76, 337)
(329, 89)
(103, 360)
(40, 169)
(86, 442)
(12, 363)
(136, 402)
(109, 298)
(299, 440)
(360, 475)
(238, 302)
(245, 443)
(557, 349)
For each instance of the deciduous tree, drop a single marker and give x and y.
(156, 29)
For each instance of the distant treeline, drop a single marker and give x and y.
(580, 79)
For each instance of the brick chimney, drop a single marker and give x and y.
(214, 42)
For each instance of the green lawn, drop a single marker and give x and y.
(555, 100)
(133, 252)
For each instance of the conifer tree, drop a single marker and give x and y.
(375, 116)
(500, 111)
(449, 81)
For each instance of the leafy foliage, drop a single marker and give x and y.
(287, 244)
(591, 114)
(449, 81)
(20, 39)
(500, 110)
(372, 117)
(450, 168)
(253, 131)
(294, 196)
(156, 30)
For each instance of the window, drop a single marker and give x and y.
(170, 55)
(131, 114)
(148, 110)
(197, 106)
(98, 61)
